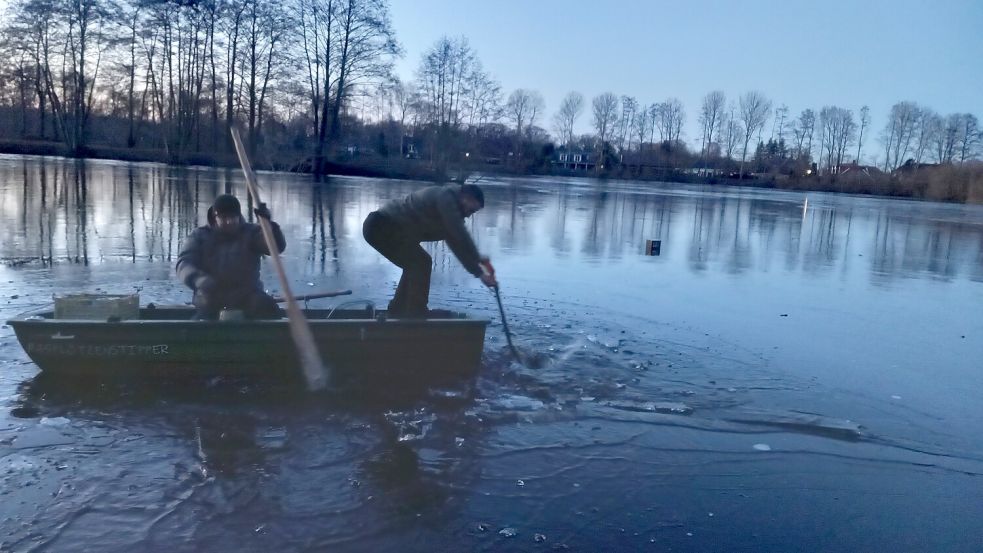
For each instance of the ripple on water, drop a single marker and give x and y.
(215, 464)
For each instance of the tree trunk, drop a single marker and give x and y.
(214, 83)
(253, 62)
(230, 81)
(322, 132)
(342, 85)
(22, 91)
(131, 137)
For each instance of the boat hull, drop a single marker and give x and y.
(355, 345)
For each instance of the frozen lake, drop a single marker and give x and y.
(794, 371)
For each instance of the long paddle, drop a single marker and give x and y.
(315, 372)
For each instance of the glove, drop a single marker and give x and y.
(487, 273)
(263, 211)
(488, 280)
(486, 266)
(205, 284)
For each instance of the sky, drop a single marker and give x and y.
(801, 54)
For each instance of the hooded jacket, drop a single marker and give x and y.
(434, 213)
(232, 259)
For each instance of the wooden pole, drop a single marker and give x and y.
(315, 372)
(306, 297)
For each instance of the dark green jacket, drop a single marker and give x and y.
(433, 214)
(232, 260)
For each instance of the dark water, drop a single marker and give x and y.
(783, 377)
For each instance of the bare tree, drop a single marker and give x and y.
(864, 123)
(969, 136)
(264, 33)
(482, 97)
(778, 125)
(232, 27)
(366, 48)
(605, 111)
(838, 130)
(344, 44)
(654, 111)
(954, 138)
(711, 117)
(66, 41)
(316, 19)
(669, 119)
(730, 132)
(26, 37)
(445, 70)
(898, 133)
(927, 124)
(641, 126)
(628, 106)
(566, 117)
(165, 65)
(941, 140)
(131, 21)
(88, 21)
(807, 129)
(754, 110)
(522, 108)
(403, 98)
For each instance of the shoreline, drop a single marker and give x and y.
(390, 168)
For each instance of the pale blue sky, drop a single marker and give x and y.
(802, 54)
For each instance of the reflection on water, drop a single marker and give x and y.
(82, 212)
(832, 338)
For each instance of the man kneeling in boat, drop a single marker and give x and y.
(220, 262)
(427, 215)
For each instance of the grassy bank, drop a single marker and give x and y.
(946, 183)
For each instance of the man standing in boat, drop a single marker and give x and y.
(220, 262)
(435, 213)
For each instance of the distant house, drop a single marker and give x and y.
(912, 165)
(573, 159)
(855, 168)
(700, 168)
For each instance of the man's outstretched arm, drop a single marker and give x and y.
(458, 238)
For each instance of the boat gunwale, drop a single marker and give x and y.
(36, 318)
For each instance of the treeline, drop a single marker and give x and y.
(311, 82)
(174, 74)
